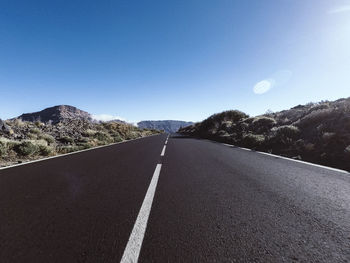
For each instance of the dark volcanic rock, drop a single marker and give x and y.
(57, 114)
(169, 126)
(4, 128)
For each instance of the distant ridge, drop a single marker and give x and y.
(57, 114)
(169, 126)
(64, 113)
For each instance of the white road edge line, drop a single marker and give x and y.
(133, 247)
(163, 151)
(65, 154)
(290, 159)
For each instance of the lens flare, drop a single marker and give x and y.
(263, 86)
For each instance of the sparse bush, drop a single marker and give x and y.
(45, 150)
(3, 149)
(249, 120)
(39, 124)
(116, 137)
(83, 140)
(8, 144)
(226, 125)
(19, 123)
(66, 140)
(34, 131)
(89, 133)
(26, 148)
(32, 136)
(286, 131)
(263, 124)
(132, 135)
(103, 137)
(317, 116)
(252, 140)
(69, 149)
(216, 119)
(84, 145)
(223, 133)
(50, 139)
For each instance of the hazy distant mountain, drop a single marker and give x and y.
(62, 113)
(56, 114)
(169, 126)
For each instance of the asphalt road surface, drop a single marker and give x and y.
(173, 200)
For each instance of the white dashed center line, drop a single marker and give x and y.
(133, 247)
(163, 151)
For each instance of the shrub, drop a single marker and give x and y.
(8, 144)
(34, 131)
(252, 140)
(26, 148)
(50, 139)
(103, 137)
(66, 140)
(19, 123)
(32, 136)
(286, 131)
(84, 145)
(38, 124)
(249, 120)
(45, 150)
(223, 133)
(89, 133)
(69, 148)
(317, 116)
(3, 149)
(263, 124)
(117, 137)
(226, 125)
(132, 135)
(216, 119)
(232, 115)
(83, 140)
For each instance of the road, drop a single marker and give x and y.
(190, 201)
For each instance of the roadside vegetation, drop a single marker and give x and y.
(316, 132)
(23, 140)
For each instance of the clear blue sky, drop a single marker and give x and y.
(180, 59)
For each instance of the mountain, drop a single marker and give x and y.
(315, 132)
(56, 114)
(169, 126)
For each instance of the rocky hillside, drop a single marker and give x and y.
(168, 126)
(56, 114)
(316, 132)
(57, 130)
